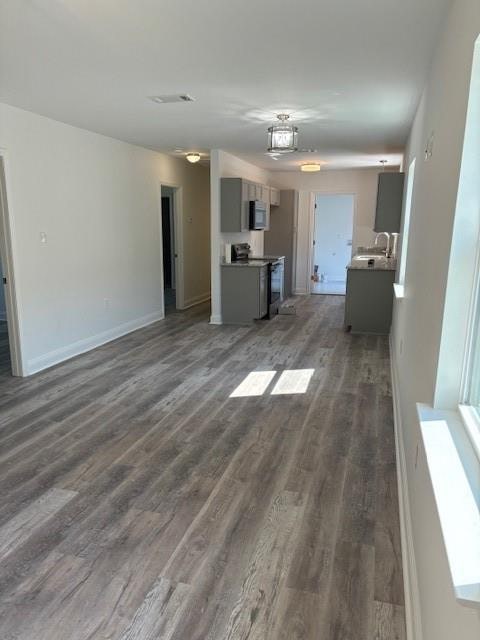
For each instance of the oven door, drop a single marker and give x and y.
(275, 286)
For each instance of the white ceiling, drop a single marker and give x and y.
(350, 71)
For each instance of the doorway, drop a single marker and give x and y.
(5, 360)
(169, 249)
(10, 353)
(332, 243)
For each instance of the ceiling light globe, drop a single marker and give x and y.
(310, 167)
(193, 157)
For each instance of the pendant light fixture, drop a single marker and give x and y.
(283, 136)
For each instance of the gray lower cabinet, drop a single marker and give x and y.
(244, 294)
(389, 202)
(369, 300)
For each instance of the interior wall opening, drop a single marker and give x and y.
(332, 242)
(169, 249)
(8, 354)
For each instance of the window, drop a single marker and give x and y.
(406, 223)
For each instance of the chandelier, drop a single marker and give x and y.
(282, 137)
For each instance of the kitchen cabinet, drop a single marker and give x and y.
(389, 202)
(369, 300)
(265, 194)
(280, 238)
(244, 293)
(234, 213)
(252, 191)
(274, 197)
(235, 195)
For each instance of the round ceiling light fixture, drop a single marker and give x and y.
(283, 136)
(193, 157)
(310, 167)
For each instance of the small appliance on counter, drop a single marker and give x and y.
(240, 252)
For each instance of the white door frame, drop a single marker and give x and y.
(8, 258)
(311, 227)
(178, 249)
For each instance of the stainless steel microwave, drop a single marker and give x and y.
(258, 215)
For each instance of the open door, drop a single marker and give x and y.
(332, 245)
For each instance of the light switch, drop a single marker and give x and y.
(43, 237)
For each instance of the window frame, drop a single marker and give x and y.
(404, 240)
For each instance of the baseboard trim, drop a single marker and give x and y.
(300, 292)
(412, 597)
(192, 302)
(216, 320)
(87, 344)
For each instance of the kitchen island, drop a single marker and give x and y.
(369, 297)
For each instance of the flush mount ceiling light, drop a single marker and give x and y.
(310, 167)
(193, 157)
(282, 137)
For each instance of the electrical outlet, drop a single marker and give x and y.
(43, 237)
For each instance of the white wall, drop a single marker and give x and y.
(333, 235)
(225, 165)
(362, 183)
(97, 199)
(417, 323)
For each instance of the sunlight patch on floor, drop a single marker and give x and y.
(293, 381)
(290, 381)
(255, 384)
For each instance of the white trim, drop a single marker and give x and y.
(399, 290)
(12, 303)
(216, 320)
(453, 471)
(192, 302)
(410, 582)
(472, 426)
(87, 344)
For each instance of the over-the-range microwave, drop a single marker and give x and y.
(258, 215)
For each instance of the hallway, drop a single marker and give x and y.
(191, 481)
(5, 365)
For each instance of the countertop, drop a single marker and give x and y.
(247, 263)
(262, 261)
(381, 264)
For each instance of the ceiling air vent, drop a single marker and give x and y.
(184, 97)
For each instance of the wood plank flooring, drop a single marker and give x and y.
(139, 501)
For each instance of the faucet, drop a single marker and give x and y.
(387, 248)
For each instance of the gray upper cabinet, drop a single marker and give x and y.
(235, 195)
(389, 202)
(274, 197)
(234, 205)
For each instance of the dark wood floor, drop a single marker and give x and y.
(140, 502)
